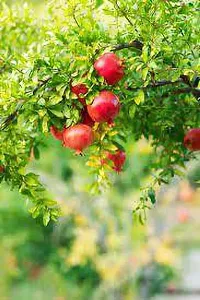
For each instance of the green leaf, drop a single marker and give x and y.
(45, 124)
(67, 111)
(31, 179)
(98, 3)
(46, 218)
(144, 73)
(36, 152)
(57, 112)
(36, 212)
(152, 196)
(145, 53)
(54, 100)
(132, 110)
(139, 98)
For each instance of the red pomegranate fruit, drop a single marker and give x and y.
(80, 89)
(86, 119)
(118, 160)
(1, 169)
(104, 108)
(183, 215)
(192, 139)
(57, 134)
(78, 137)
(110, 66)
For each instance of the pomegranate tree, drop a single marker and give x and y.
(78, 137)
(104, 108)
(192, 139)
(110, 66)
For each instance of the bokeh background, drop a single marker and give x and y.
(98, 250)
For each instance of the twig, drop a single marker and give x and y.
(178, 92)
(13, 115)
(75, 19)
(134, 44)
(156, 84)
(123, 13)
(41, 84)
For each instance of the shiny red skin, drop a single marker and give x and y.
(110, 66)
(118, 160)
(78, 137)
(86, 119)
(57, 134)
(104, 108)
(80, 89)
(192, 139)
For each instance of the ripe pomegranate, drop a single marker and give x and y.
(86, 119)
(80, 89)
(183, 215)
(192, 139)
(118, 160)
(171, 288)
(104, 108)
(110, 66)
(57, 134)
(187, 192)
(78, 137)
(1, 169)
(35, 272)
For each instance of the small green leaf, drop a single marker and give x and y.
(152, 196)
(139, 98)
(145, 54)
(132, 110)
(53, 100)
(36, 152)
(57, 112)
(144, 73)
(45, 124)
(36, 212)
(31, 179)
(46, 218)
(98, 3)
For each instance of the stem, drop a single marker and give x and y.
(156, 84)
(123, 13)
(12, 116)
(134, 44)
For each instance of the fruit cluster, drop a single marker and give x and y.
(104, 108)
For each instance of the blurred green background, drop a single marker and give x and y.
(98, 250)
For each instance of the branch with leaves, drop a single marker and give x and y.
(158, 87)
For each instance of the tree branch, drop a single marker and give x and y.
(123, 13)
(178, 92)
(41, 84)
(13, 115)
(190, 89)
(157, 84)
(134, 44)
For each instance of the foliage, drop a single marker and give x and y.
(154, 277)
(39, 59)
(89, 248)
